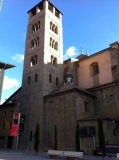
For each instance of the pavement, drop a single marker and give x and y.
(10, 154)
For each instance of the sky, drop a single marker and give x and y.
(87, 24)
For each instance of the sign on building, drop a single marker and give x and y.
(14, 128)
(21, 125)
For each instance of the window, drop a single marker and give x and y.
(87, 109)
(50, 7)
(33, 60)
(34, 43)
(11, 113)
(56, 46)
(40, 7)
(35, 27)
(50, 78)
(3, 126)
(57, 81)
(29, 80)
(33, 12)
(53, 44)
(54, 28)
(53, 61)
(4, 114)
(94, 68)
(36, 77)
(30, 138)
(56, 13)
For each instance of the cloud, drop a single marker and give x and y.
(9, 83)
(70, 52)
(18, 58)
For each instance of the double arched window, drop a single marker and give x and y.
(35, 27)
(53, 44)
(54, 28)
(34, 43)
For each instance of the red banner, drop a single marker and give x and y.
(14, 128)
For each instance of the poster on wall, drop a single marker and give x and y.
(21, 125)
(14, 128)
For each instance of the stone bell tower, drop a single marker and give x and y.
(43, 69)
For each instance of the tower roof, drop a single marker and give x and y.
(5, 66)
(49, 3)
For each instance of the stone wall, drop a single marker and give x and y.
(63, 111)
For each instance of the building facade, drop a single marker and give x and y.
(76, 91)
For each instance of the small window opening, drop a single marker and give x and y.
(50, 7)
(56, 46)
(50, 78)
(33, 12)
(29, 80)
(87, 107)
(95, 69)
(40, 7)
(11, 113)
(3, 126)
(56, 13)
(57, 81)
(30, 138)
(36, 78)
(56, 30)
(4, 114)
(55, 62)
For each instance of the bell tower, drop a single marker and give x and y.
(43, 65)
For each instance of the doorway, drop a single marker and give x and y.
(9, 141)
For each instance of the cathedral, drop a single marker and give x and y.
(79, 90)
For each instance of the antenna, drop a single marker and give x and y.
(1, 4)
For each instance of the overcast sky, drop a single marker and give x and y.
(88, 24)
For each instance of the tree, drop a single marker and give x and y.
(55, 143)
(36, 138)
(77, 138)
(101, 138)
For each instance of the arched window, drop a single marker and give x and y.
(56, 30)
(36, 27)
(53, 28)
(32, 44)
(50, 41)
(32, 61)
(55, 62)
(37, 41)
(50, 78)
(53, 43)
(56, 46)
(57, 81)
(35, 58)
(33, 29)
(51, 25)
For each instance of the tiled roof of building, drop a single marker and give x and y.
(68, 88)
(96, 117)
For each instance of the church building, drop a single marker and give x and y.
(79, 90)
